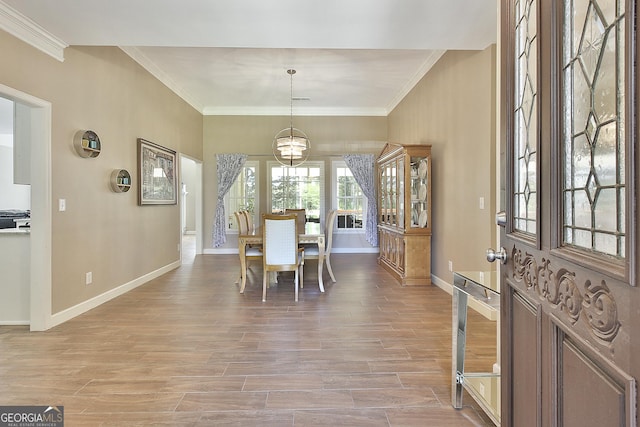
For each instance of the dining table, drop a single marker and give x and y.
(312, 236)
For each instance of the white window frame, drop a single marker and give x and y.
(232, 226)
(319, 164)
(335, 164)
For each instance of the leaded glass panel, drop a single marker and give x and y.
(593, 130)
(525, 117)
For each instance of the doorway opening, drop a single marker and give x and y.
(34, 116)
(190, 208)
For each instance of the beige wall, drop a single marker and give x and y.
(102, 89)
(453, 109)
(330, 137)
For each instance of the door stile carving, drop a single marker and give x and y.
(594, 303)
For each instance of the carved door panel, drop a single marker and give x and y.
(570, 320)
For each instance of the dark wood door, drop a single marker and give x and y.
(570, 316)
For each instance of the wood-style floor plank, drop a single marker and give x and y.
(187, 349)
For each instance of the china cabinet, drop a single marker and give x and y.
(404, 212)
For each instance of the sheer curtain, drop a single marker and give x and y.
(362, 167)
(229, 167)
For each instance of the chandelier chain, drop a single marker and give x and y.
(290, 145)
(291, 72)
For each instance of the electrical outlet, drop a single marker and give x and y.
(482, 389)
(88, 278)
(450, 265)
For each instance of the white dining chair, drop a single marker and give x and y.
(280, 249)
(312, 251)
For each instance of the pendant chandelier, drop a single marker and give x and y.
(291, 146)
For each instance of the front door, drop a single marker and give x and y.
(569, 289)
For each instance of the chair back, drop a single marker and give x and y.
(241, 220)
(249, 220)
(280, 242)
(328, 230)
(301, 218)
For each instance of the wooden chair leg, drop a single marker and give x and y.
(264, 286)
(327, 261)
(296, 283)
(301, 268)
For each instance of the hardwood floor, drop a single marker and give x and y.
(187, 349)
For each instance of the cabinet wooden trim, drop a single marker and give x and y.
(404, 212)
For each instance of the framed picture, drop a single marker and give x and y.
(156, 174)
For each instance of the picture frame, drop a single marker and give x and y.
(157, 179)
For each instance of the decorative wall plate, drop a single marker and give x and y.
(422, 194)
(422, 169)
(422, 221)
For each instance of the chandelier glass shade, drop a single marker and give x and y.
(290, 145)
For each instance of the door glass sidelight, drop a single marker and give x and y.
(525, 117)
(593, 126)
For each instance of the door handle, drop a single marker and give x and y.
(493, 255)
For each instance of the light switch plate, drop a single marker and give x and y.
(62, 205)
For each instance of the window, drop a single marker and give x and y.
(243, 195)
(349, 200)
(594, 109)
(297, 188)
(525, 119)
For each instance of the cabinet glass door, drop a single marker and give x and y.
(400, 199)
(391, 194)
(419, 191)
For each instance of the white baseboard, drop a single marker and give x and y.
(83, 307)
(370, 250)
(233, 251)
(478, 306)
(15, 323)
(223, 251)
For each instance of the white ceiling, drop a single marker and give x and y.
(353, 57)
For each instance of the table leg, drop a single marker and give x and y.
(459, 339)
(242, 248)
(320, 262)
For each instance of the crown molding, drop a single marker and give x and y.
(23, 28)
(155, 71)
(422, 71)
(279, 111)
